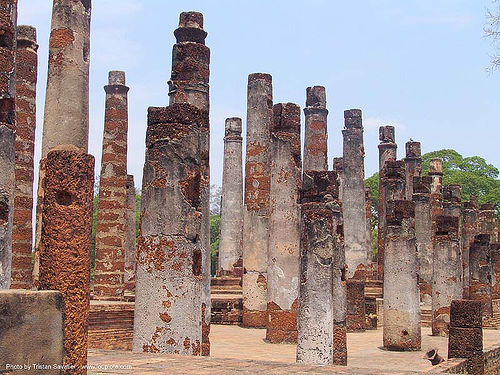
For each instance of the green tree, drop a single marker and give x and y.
(214, 241)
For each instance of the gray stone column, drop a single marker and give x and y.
(257, 188)
(322, 299)
(316, 134)
(284, 217)
(480, 273)
(488, 224)
(436, 173)
(129, 243)
(452, 199)
(168, 299)
(368, 215)
(413, 165)
(338, 165)
(231, 218)
(470, 230)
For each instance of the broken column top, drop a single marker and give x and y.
(386, 134)
(487, 207)
(116, 77)
(233, 126)
(436, 167)
(446, 225)
(413, 149)
(352, 119)
(398, 210)
(256, 76)
(190, 28)
(472, 204)
(394, 169)
(130, 181)
(466, 313)
(191, 19)
(316, 97)
(422, 185)
(286, 118)
(319, 186)
(26, 32)
(452, 193)
(338, 165)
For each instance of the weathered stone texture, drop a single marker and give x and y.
(129, 243)
(316, 136)
(26, 77)
(356, 310)
(413, 165)
(436, 173)
(470, 215)
(66, 244)
(480, 273)
(368, 216)
(168, 301)
(338, 165)
(112, 205)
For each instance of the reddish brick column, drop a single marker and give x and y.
(413, 165)
(470, 230)
(356, 314)
(436, 173)
(480, 273)
(66, 243)
(26, 76)
(112, 205)
(315, 134)
(129, 244)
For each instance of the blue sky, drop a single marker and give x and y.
(416, 64)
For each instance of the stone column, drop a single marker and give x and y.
(487, 223)
(368, 215)
(401, 294)
(423, 236)
(111, 208)
(322, 301)
(231, 218)
(256, 211)
(413, 165)
(452, 199)
(338, 165)
(470, 226)
(480, 273)
(447, 272)
(284, 217)
(386, 151)
(436, 173)
(66, 244)
(8, 20)
(26, 77)
(353, 196)
(129, 243)
(316, 135)
(356, 309)
(393, 183)
(189, 84)
(168, 298)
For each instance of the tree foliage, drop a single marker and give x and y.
(214, 241)
(492, 31)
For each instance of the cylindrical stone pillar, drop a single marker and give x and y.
(447, 272)
(488, 224)
(386, 151)
(480, 273)
(112, 205)
(26, 77)
(401, 294)
(353, 196)
(231, 218)
(413, 165)
(168, 300)
(368, 215)
(284, 217)
(470, 230)
(322, 298)
(256, 211)
(436, 173)
(66, 244)
(316, 134)
(129, 243)
(338, 165)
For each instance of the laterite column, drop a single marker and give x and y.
(129, 243)
(316, 133)
(413, 165)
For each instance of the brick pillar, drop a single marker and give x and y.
(66, 244)
(447, 272)
(452, 202)
(386, 151)
(401, 294)
(129, 243)
(26, 76)
(423, 236)
(256, 211)
(470, 230)
(284, 217)
(112, 205)
(480, 273)
(356, 310)
(321, 339)
(413, 165)
(316, 135)
(436, 173)
(168, 297)
(338, 165)
(231, 219)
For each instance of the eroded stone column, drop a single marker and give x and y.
(452, 199)
(356, 309)
(231, 219)
(66, 244)
(413, 165)
(316, 135)
(436, 173)
(111, 208)
(447, 272)
(480, 273)
(284, 217)
(386, 151)
(256, 211)
(488, 224)
(338, 165)
(26, 77)
(129, 243)
(401, 294)
(368, 215)
(322, 337)
(168, 298)
(470, 230)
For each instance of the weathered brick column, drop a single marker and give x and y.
(316, 135)
(26, 77)
(129, 243)
(401, 294)
(436, 173)
(168, 297)
(413, 165)
(66, 244)
(112, 205)
(321, 336)
(338, 165)
(470, 230)
(447, 272)
(452, 202)
(356, 309)
(386, 151)
(284, 218)
(8, 19)
(368, 215)
(231, 219)
(423, 236)
(256, 211)
(487, 223)
(480, 273)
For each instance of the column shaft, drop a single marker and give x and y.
(316, 133)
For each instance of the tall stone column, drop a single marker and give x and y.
(168, 299)
(26, 77)
(257, 188)
(353, 195)
(413, 165)
(8, 20)
(423, 236)
(284, 218)
(488, 224)
(447, 272)
(436, 173)
(189, 83)
(401, 294)
(231, 219)
(470, 230)
(480, 273)
(129, 243)
(66, 244)
(111, 208)
(316, 133)
(368, 215)
(322, 298)
(386, 151)
(338, 165)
